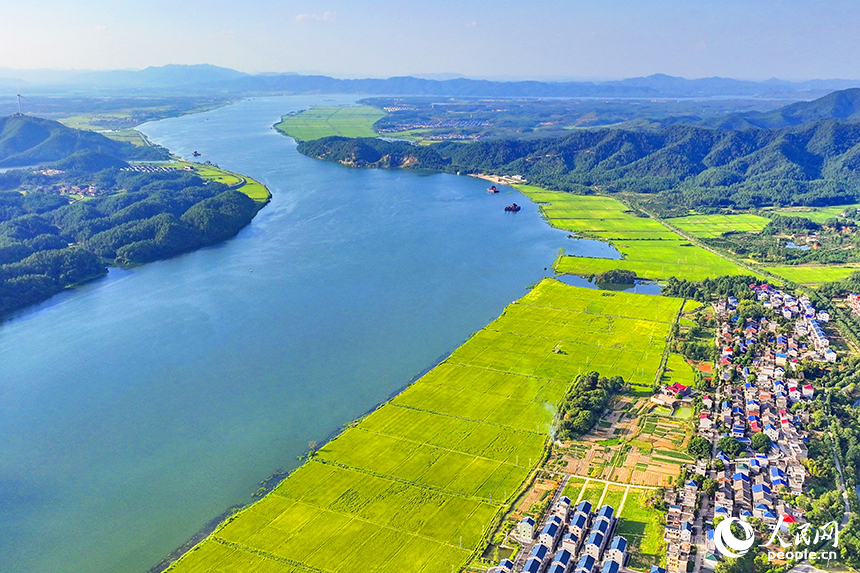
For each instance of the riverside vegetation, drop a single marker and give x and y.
(62, 223)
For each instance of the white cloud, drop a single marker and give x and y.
(326, 17)
(472, 24)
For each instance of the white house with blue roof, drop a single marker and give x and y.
(533, 565)
(551, 532)
(585, 564)
(578, 524)
(526, 528)
(571, 542)
(617, 551)
(564, 557)
(595, 544)
(610, 567)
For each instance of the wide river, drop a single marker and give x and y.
(136, 408)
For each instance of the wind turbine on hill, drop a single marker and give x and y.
(20, 97)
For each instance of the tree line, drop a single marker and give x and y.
(813, 164)
(48, 243)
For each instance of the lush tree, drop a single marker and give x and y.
(760, 442)
(710, 486)
(699, 447)
(730, 446)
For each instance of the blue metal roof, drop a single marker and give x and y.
(579, 520)
(605, 511)
(563, 556)
(596, 538)
(618, 543)
(550, 529)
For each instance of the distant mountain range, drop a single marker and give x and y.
(27, 140)
(844, 104)
(206, 78)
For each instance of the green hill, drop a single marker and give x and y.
(811, 164)
(26, 140)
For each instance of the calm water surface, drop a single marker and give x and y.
(135, 409)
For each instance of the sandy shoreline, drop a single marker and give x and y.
(513, 180)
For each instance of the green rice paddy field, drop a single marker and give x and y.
(677, 370)
(417, 483)
(325, 121)
(817, 214)
(813, 275)
(649, 249)
(708, 226)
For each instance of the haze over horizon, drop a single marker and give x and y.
(587, 39)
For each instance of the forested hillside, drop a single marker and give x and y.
(27, 140)
(49, 241)
(812, 164)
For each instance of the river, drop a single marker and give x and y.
(138, 407)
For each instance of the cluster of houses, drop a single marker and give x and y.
(679, 526)
(807, 322)
(150, 168)
(572, 540)
(750, 486)
(854, 303)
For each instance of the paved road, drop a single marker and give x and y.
(521, 557)
(699, 539)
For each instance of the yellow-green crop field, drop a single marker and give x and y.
(814, 274)
(708, 226)
(656, 260)
(677, 370)
(325, 121)
(417, 484)
(649, 249)
(817, 214)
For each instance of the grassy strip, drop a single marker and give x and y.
(643, 527)
(253, 189)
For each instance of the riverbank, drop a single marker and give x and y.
(422, 479)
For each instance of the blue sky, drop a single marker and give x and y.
(789, 39)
